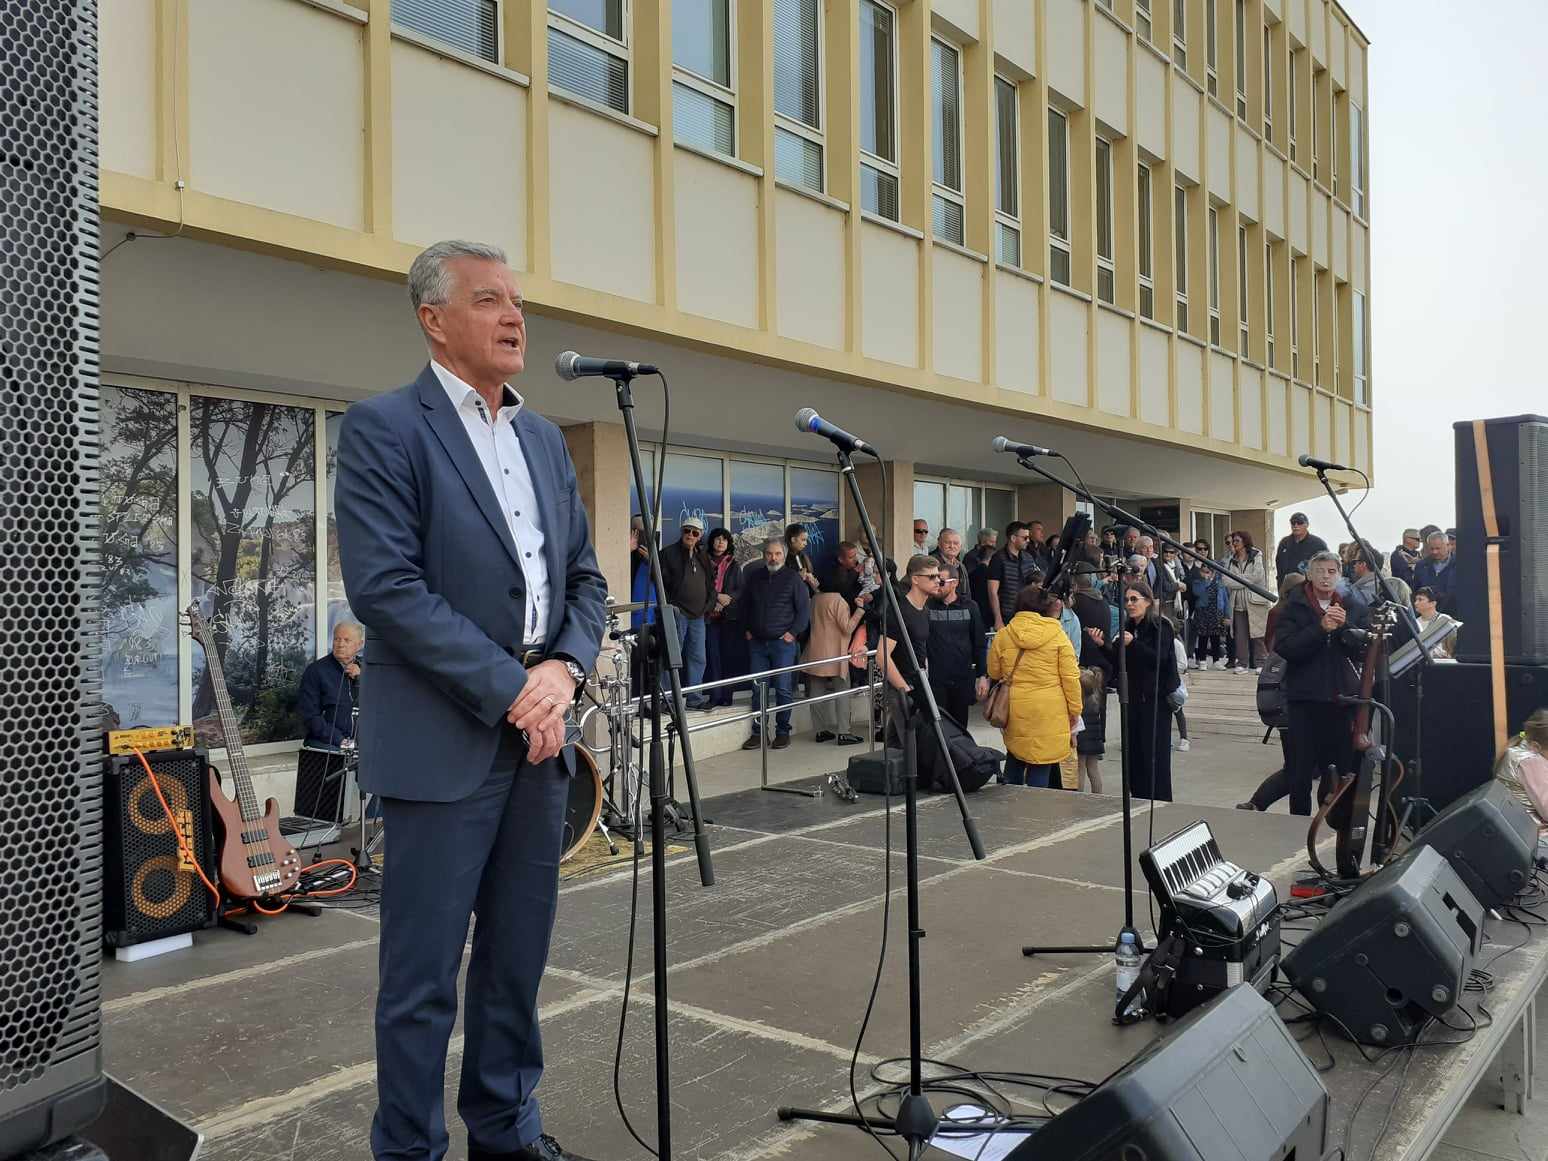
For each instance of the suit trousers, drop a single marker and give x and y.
(493, 855)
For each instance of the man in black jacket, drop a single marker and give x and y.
(1437, 571)
(1010, 570)
(958, 650)
(1296, 550)
(327, 698)
(776, 610)
(1321, 641)
(686, 571)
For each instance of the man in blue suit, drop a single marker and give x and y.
(467, 553)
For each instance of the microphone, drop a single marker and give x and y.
(1307, 461)
(1001, 444)
(808, 420)
(569, 366)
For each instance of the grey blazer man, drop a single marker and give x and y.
(432, 569)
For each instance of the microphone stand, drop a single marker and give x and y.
(915, 1121)
(1157, 535)
(1411, 623)
(660, 646)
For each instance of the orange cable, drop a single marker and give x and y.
(177, 830)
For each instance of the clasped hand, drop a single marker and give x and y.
(539, 710)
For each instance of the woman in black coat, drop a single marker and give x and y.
(1151, 664)
(725, 651)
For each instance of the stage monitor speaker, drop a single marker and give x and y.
(50, 629)
(150, 889)
(1227, 1082)
(1518, 464)
(1489, 839)
(1458, 732)
(1395, 953)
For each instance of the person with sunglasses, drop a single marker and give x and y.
(687, 573)
(1151, 664)
(904, 680)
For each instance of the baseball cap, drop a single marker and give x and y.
(1299, 518)
(693, 522)
(1413, 532)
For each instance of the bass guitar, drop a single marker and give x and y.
(256, 862)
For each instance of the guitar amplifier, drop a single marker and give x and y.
(320, 779)
(150, 889)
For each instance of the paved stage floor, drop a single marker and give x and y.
(266, 1043)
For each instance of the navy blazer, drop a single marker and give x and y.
(431, 570)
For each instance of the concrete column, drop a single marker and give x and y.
(892, 514)
(601, 456)
(1049, 503)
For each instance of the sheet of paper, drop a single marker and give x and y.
(976, 1146)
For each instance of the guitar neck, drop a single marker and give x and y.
(241, 776)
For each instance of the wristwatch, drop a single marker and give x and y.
(577, 674)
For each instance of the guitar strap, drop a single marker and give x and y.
(1492, 566)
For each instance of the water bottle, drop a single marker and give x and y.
(1127, 960)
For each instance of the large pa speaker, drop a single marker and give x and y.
(151, 890)
(1228, 1082)
(1394, 954)
(50, 667)
(1518, 467)
(1489, 839)
(1458, 746)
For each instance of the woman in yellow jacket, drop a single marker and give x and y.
(1045, 699)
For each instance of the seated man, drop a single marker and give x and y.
(329, 687)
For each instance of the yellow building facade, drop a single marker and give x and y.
(1137, 231)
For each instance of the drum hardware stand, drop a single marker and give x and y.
(663, 654)
(363, 860)
(915, 1121)
(1081, 491)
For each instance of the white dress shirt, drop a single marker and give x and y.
(500, 452)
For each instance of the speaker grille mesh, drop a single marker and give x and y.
(50, 774)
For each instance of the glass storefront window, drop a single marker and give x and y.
(962, 512)
(693, 486)
(139, 557)
(929, 506)
(757, 506)
(338, 603)
(814, 502)
(999, 510)
(254, 559)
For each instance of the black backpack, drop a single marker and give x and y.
(1271, 693)
(976, 765)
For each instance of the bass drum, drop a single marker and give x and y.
(585, 805)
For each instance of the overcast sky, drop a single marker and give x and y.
(1459, 243)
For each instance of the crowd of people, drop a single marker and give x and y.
(989, 614)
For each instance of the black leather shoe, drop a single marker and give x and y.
(781, 742)
(545, 1148)
(823, 736)
(850, 739)
(750, 744)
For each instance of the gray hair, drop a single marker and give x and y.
(774, 542)
(354, 627)
(1436, 535)
(1139, 562)
(1324, 555)
(428, 279)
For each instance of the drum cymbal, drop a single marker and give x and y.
(625, 607)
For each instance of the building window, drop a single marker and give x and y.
(1142, 20)
(1268, 84)
(1213, 225)
(878, 110)
(703, 93)
(588, 50)
(1357, 159)
(1241, 288)
(1211, 48)
(798, 138)
(1359, 341)
(1147, 285)
(1317, 328)
(1106, 275)
(1268, 302)
(254, 560)
(1180, 232)
(1295, 319)
(757, 507)
(946, 141)
(1316, 138)
(1241, 59)
(1291, 112)
(1058, 197)
(471, 25)
(1180, 33)
(1007, 172)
